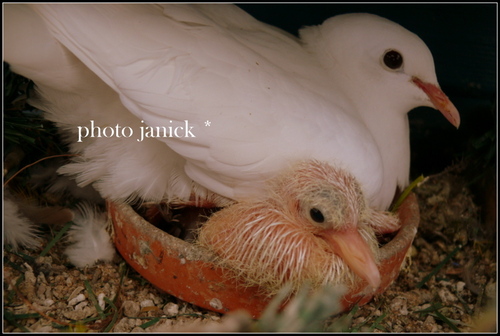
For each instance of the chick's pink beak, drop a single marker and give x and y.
(440, 101)
(353, 249)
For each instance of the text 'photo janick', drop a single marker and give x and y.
(145, 132)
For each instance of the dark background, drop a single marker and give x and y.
(462, 39)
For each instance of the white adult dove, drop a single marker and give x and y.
(238, 99)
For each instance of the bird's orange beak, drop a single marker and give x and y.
(440, 101)
(353, 249)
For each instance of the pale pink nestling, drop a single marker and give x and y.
(312, 225)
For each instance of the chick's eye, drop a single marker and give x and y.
(316, 215)
(393, 59)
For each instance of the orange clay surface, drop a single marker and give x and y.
(189, 273)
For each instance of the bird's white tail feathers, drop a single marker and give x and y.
(91, 240)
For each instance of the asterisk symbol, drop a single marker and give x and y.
(207, 123)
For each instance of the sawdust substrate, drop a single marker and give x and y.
(53, 296)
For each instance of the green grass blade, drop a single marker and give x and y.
(438, 267)
(406, 192)
(446, 320)
(93, 299)
(56, 239)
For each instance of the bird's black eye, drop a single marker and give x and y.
(316, 215)
(393, 59)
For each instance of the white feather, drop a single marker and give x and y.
(47, 178)
(91, 240)
(17, 229)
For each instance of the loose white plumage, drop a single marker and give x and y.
(21, 219)
(88, 236)
(46, 179)
(90, 239)
(268, 97)
(18, 230)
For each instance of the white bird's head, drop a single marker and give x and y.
(376, 58)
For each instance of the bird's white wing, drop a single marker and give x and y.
(266, 101)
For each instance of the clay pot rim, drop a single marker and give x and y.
(189, 272)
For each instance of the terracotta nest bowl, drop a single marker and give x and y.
(189, 273)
